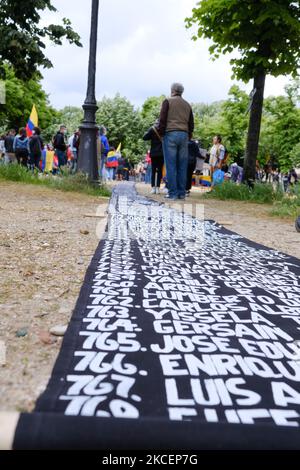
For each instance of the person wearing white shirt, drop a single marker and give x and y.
(71, 142)
(217, 154)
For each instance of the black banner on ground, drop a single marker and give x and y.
(185, 336)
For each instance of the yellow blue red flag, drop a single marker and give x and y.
(33, 121)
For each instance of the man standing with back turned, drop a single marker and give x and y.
(60, 146)
(176, 126)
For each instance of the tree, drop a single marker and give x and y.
(280, 135)
(207, 121)
(151, 110)
(23, 39)
(19, 99)
(124, 125)
(207, 127)
(233, 114)
(295, 155)
(203, 110)
(226, 117)
(70, 116)
(266, 35)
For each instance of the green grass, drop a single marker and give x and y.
(282, 204)
(261, 193)
(288, 207)
(64, 182)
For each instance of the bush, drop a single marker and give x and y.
(265, 193)
(64, 182)
(261, 193)
(17, 173)
(283, 205)
(228, 190)
(287, 207)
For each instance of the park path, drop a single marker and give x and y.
(184, 336)
(46, 244)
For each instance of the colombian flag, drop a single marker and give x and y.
(47, 161)
(112, 160)
(33, 121)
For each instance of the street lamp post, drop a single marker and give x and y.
(87, 158)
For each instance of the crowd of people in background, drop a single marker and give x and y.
(271, 174)
(187, 162)
(112, 164)
(18, 148)
(63, 151)
(174, 157)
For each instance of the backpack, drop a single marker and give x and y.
(21, 143)
(218, 177)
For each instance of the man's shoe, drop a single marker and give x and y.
(153, 191)
(157, 191)
(172, 198)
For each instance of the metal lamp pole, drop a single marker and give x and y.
(87, 158)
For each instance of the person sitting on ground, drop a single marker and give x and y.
(157, 157)
(235, 171)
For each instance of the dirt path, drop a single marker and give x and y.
(43, 259)
(249, 220)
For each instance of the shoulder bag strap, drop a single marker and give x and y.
(156, 132)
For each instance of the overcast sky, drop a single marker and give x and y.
(143, 47)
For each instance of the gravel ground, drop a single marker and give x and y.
(44, 252)
(43, 259)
